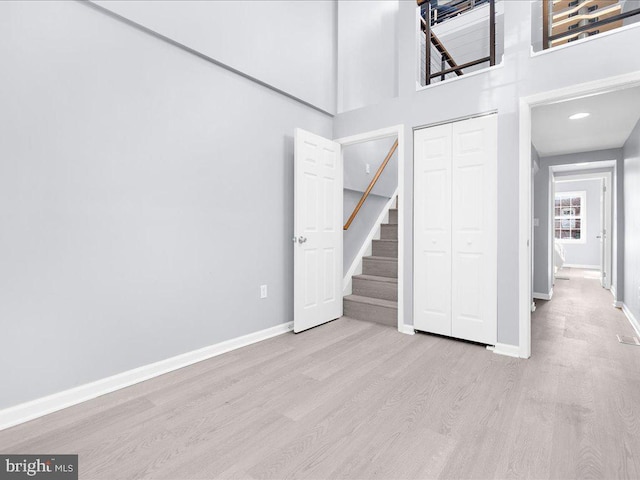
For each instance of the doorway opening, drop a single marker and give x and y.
(582, 212)
(373, 231)
(571, 144)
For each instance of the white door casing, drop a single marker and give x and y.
(474, 230)
(432, 229)
(317, 231)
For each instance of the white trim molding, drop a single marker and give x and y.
(506, 350)
(585, 267)
(543, 296)
(632, 319)
(24, 412)
(407, 329)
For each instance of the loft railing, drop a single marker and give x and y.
(565, 21)
(444, 11)
(433, 13)
(372, 183)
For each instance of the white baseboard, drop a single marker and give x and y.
(407, 329)
(632, 319)
(374, 234)
(576, 265)
(24, 412)
(618, 303)
(543, 296)
(505, 349)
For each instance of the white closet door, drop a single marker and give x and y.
(474, 230)
(432, 229)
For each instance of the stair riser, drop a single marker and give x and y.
(380, 268)
(385, 249)
(393, 216)
(389, 232)
(371, 313)
(373, 289)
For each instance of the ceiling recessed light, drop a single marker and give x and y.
(578, 116)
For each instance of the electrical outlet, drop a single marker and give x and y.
(263, 291)
(367, 168)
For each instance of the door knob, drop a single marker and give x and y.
(302, 239)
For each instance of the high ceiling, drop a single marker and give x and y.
(612, 118)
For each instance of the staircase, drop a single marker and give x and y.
(375, 291)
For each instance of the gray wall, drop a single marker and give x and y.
(356, 181)
(357, 233)
(631, 153)
(357, 156)
(543, 242)
(288, 44)
(587, 253)
(367, 61)
(498, 89)
(145, 194)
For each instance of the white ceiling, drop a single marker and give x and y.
(579, 167)
(613, 116)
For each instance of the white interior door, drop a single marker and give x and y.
(474, 230)
(432, 229)
(318, 231)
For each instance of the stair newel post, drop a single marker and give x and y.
(492, 32)
(427, 45)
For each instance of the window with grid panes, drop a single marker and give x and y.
(570, 217)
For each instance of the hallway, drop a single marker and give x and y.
(595, 421)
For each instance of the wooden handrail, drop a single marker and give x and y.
(371, 185)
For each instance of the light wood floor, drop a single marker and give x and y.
(357, 400)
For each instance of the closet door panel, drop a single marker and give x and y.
(474, 230)
(432, 229)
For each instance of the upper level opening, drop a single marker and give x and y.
(463, 36)
(560, 22)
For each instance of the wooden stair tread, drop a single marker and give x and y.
(376, 278)
(382, 259)
(378, 302)
(385, 240)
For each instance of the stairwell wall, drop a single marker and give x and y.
(145, 195)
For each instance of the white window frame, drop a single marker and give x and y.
(582, 217)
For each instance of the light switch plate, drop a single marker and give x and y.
(263, 291)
